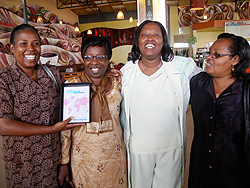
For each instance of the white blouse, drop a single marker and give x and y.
(154, 114)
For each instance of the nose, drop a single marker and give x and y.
(30, 47)
(150, 37)
(94, 60)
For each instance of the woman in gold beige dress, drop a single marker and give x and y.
(96, 151)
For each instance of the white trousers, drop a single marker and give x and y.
(162, 170)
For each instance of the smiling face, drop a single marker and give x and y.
(26, 49)
(222, 66)
(150, 41)
(94, 68)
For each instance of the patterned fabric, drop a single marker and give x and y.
(101, 120)
(30, 161)
(97, 160)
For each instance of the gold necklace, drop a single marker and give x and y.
(33, 75)
(143, 70)
(218, 93)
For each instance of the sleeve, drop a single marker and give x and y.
(6, 99)
(65, 137)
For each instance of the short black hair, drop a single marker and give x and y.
(240, 47)
(22, 27)
(97, 41)
(166, 51)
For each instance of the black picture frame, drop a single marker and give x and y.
(75, 101)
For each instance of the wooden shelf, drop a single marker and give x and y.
(117, 37)
(213, 24)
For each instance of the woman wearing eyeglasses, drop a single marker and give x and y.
(217, 154)
(96, 151)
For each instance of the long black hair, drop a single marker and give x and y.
(239, 47)
(166, 52)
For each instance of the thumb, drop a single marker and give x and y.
(68, 120)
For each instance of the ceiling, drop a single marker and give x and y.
(89, 7)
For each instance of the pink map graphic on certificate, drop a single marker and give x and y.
(75, 104)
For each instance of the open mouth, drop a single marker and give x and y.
(150, 46)
(95, 70)
(208, 64)
(30, 57)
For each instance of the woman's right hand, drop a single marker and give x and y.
(64, 125)
(63, 173)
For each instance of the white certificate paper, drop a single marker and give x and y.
(75, 101)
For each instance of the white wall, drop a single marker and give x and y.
(120, 54)
(203, 38)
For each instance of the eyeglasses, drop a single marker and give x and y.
(216, 55)
(98, 57)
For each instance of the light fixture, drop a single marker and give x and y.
(39, 19)
(120, 15)
(77, 29)
(60, 22)
(131, 19)
(196, 4)
(205, 17)
(89, 32)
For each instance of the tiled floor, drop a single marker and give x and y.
(189, 140)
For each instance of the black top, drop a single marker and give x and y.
(217, 159)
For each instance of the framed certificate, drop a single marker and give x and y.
(75, 101)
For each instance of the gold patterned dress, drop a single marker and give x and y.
(97, 159)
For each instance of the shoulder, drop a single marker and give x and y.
(4, 69)
(127, 68)
(183, 62)
(202, 77)
(5, 74)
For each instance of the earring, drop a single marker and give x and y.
(232, 68)
(140, 56)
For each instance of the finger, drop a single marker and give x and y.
(75, 125)
(119, 79)
(67, 178)
(120, 73)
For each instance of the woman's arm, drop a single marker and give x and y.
(19, 128)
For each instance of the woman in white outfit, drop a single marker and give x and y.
(155, 87)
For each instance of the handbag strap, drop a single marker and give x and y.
(48, 71)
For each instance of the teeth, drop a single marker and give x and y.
(150, 46)
(30, 57)
(208, 64)
(95, 70)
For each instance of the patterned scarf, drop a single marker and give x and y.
(101, 120)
